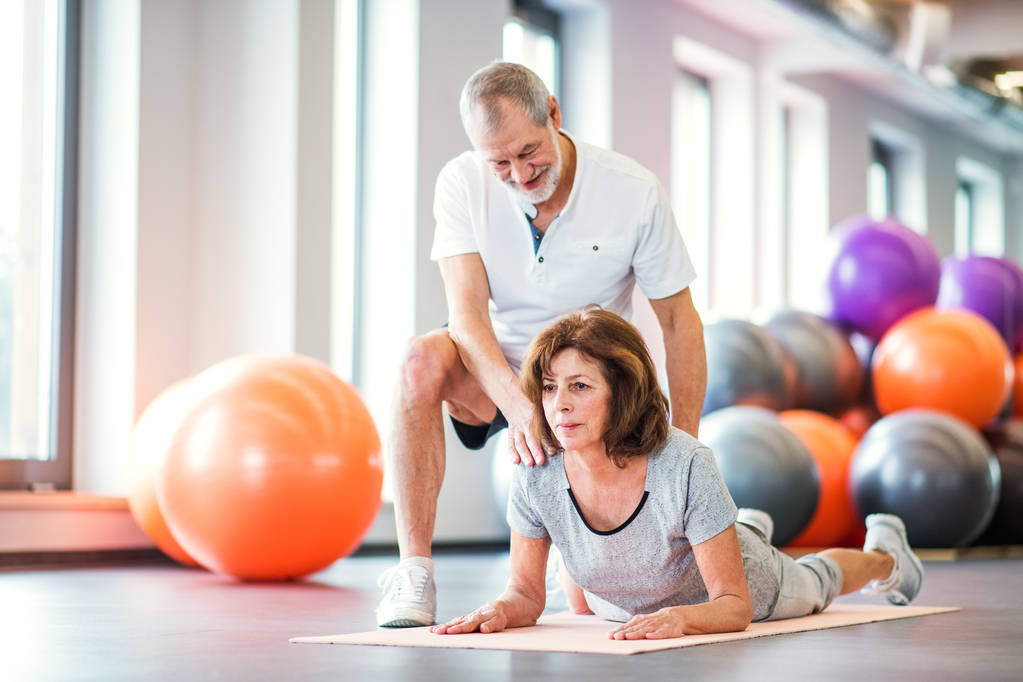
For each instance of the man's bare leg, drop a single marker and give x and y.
(432, 375)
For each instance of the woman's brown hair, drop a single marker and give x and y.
(638, 411)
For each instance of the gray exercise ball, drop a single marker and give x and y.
(745, 366)
(828, 375)
(765, 466)
(933, 470)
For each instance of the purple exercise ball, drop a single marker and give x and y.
(880, 271)
(990, 287)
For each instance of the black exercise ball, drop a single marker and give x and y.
(765, 466)
(745, 366)
(932, 469)
(1006, 527)
(828, 376)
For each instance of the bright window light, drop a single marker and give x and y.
(690, 173)
(526, 45)
(30, 81)
(877, 191)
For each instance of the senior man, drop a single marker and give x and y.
(531, 224)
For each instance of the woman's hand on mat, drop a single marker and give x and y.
(487, 618)
(525, 448)
(662, 624)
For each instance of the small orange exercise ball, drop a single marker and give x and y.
(832, 447)
(275, 472)
(153, 434)
(949, 360)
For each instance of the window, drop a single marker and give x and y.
(896, 177)
(714, 114)
(979, 209)
(964, 225)
(804, 193)
(38, 115)
(691, 172)
(880, 192)
(531, 38)
(347, 190)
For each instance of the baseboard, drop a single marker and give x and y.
(19, 561)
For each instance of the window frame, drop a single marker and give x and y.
(55, 473)
(538, 17)
(964, 233)
(883, 156)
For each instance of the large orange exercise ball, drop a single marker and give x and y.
(832, 447)
(954, 361)
(154, 431)
(275, 472)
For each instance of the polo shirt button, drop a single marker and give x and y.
(540, 259)
(595, 247)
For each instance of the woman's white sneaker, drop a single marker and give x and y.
(887, 533)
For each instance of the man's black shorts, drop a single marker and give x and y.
(475, 437)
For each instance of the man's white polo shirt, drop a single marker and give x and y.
(616, 229)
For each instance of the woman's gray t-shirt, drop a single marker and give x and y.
(647, 563)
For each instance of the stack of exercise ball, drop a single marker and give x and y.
(261, 467)
(887, 394)
(793, 464)
(940, 371)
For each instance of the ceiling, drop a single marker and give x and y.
(974, 39)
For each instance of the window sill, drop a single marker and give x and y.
(66, 521)
(60, 500)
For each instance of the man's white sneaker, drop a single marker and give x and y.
(887, 533)
(410, 595)
(757, 519)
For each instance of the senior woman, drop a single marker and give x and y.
(645, 525)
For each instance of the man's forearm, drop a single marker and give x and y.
(686, 362)
(481, 354)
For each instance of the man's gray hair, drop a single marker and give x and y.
(502, 80)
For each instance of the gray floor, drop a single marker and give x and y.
(167, 623)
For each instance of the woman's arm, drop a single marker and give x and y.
(523, 600)
(729, 607)
(573, 593)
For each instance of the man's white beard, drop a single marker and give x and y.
(550, 179)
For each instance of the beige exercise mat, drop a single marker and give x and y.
(571, 633)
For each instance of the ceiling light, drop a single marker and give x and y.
(1009, 80)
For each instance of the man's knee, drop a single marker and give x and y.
(428, 361)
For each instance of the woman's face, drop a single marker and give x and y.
(576, 399)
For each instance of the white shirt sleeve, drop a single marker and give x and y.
(454, 234)
(661, 263)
